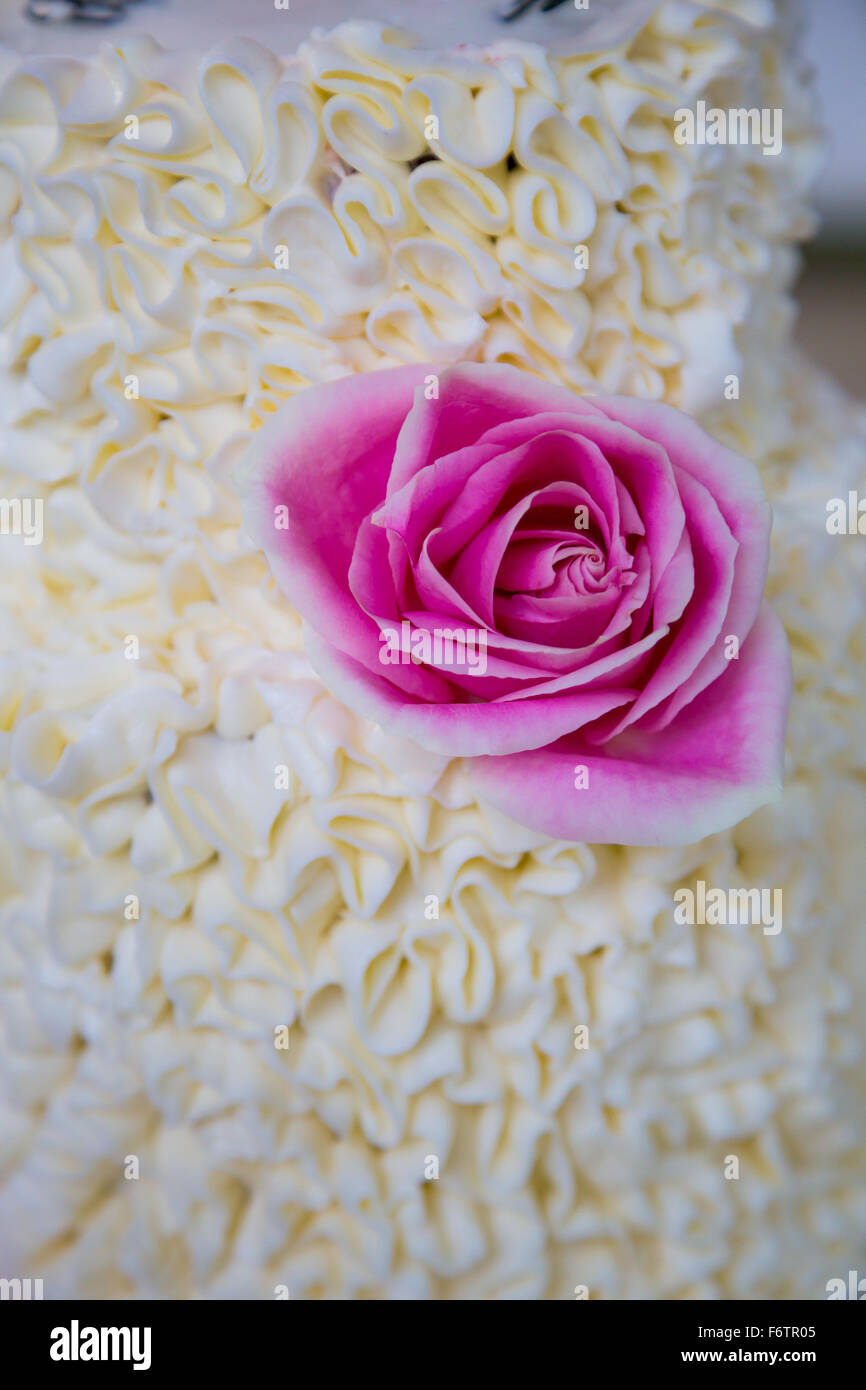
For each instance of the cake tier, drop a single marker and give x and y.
(165, 907)
(499, 203)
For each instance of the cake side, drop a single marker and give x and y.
(187, 244)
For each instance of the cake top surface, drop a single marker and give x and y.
(193, 24)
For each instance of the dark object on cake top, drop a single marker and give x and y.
(510, 9)
(87, 11)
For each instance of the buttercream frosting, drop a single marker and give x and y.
(201, 845)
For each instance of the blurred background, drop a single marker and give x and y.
(832, 288)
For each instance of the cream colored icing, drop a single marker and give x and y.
(410, 1036)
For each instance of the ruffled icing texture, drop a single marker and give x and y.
(168, 902)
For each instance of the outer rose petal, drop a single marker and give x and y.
(326, 455)
(715, 553)
(735, 484)
(720, 760)
(458, 730)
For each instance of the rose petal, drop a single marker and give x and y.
(714, 551)
(457, 730)
(737, 489)
(343, 435)
(473, 398)
(717, 763)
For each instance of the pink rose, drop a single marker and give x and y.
(564, 591)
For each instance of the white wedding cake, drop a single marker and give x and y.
(242, 1053)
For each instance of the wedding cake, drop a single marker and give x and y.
(288, 1006)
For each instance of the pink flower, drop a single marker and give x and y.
(566, 592)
